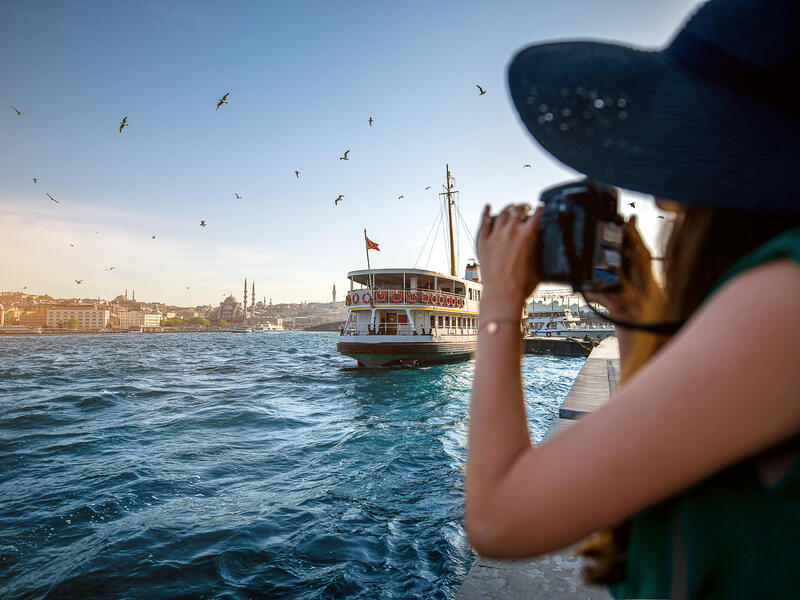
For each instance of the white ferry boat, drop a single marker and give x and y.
(560, 322)
(412, 317)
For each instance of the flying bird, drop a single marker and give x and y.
(223, 100)
(187, 287)
(480, 89)
(238, 197)
(297, 174)
(339, 199)
(53, 199)
(110, 268)
(25, 287)
(72, 245)
(202, 223)
(96, 231)
(370, 121)
(632, 204)
(18, 111)
(153, 237)
(35, 180)
(526, 166)
(123, 124)
(427, 188)
(79, 281)
(660, 217)
(401, 196)
(346, 152)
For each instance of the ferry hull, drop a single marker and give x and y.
(387, 354)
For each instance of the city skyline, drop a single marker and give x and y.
(303, 82)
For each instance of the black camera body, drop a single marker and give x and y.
(580, 239)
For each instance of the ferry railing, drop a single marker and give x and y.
(389, 296)
(403, 329)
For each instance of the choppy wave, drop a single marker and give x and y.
(229, 466)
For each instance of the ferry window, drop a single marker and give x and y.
(447, 321)
(441, 322)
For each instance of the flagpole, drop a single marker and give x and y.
(369, 269)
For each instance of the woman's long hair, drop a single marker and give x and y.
(701, 245)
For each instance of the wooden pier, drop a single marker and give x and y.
(553, 576)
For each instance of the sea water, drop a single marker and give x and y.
(217, 465)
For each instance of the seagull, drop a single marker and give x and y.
(25, 287)
(660, 217)
(187, 287)
(526, 166)
(297, 174)
(202, 223)
(79, 281)
(401, 196)
(427, 188)
(123, 124)
(18, 111)
(370, 121)
(110, 268)
(339, 199)
(53, 199)
(345, 155)
(632, 204)
(223, 100)
(480, 89)
(72, 245)
(153, 237)
(238, 197)
(35, 180)
(96, 231)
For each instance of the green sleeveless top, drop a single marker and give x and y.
(732, 535)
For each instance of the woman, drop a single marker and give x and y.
(691, 473)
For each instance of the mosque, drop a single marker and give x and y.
(232, 311)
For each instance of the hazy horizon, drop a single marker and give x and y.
(303, 80)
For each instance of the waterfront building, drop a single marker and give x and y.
(33, 319)
(138, 318)
(2, 315)
(89, 316)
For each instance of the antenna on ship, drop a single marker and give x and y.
(449, 191)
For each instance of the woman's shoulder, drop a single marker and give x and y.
(785, 245)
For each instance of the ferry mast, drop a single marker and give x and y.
(448, 192)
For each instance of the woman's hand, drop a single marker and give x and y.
(508, 264)
(638, 288)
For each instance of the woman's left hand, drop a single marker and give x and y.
(508, 261)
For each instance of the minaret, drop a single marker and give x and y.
(244, 317)
(333, 293)
(253, 303)
(126, 293)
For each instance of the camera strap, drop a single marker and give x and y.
(662, 327)
(566, 222)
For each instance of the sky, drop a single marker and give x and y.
(303, 78)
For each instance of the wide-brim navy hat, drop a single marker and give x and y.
(710, 120)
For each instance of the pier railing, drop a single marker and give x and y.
(395, 297)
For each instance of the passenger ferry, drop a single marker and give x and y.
(560, 322)
(411, 317)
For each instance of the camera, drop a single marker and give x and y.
(580, 239)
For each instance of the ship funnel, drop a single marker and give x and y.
(473, 272)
